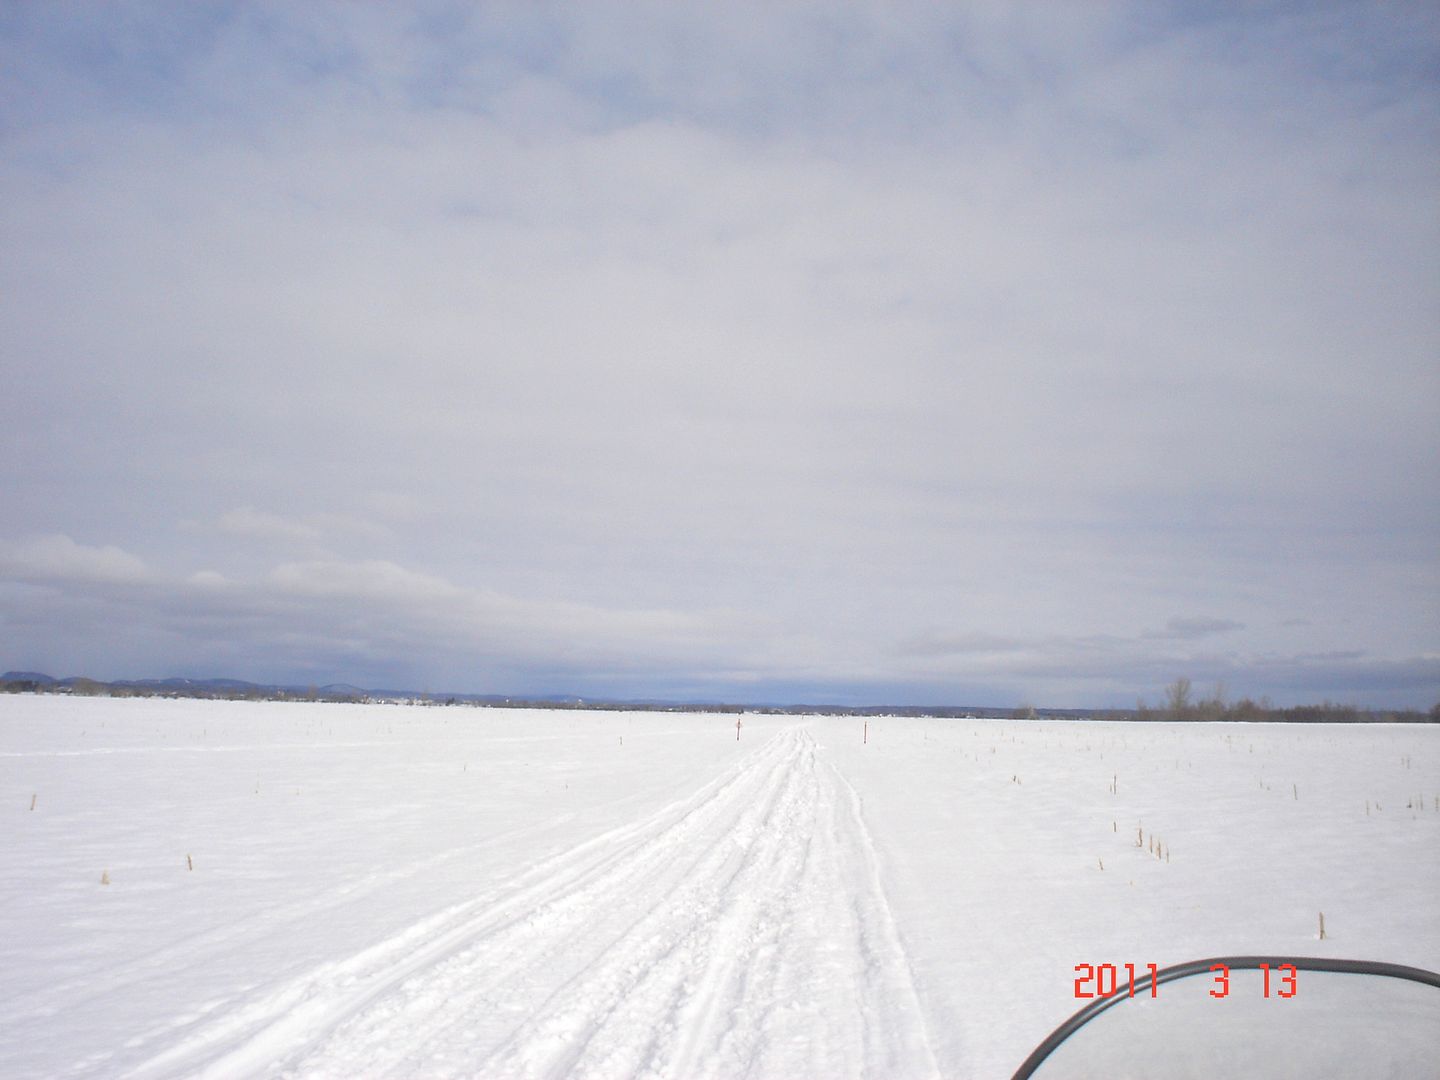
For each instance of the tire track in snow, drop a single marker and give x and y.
(743, 931)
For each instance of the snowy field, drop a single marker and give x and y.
(405, 891)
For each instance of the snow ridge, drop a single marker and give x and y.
(740, 932)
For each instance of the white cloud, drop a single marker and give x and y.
(57, 558)
(372, 579)
(247, 521)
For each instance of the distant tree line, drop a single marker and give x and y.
(1179, 702)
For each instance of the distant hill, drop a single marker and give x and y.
(342, 688)
(193, 684)
(177, 686)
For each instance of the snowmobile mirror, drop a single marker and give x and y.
(1276, 1017)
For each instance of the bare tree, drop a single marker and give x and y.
(1212, 707)
(1177, 698)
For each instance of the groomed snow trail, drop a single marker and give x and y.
(741, 932)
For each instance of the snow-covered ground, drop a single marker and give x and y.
(405, 891)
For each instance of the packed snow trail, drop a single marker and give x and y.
(741, 932)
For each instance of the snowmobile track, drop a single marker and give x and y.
(742, 931)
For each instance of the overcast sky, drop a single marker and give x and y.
(971, 353)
